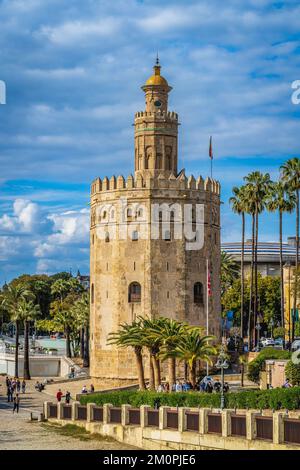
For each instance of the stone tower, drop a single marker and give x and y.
(152, 236)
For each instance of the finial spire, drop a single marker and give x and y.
(157, 59)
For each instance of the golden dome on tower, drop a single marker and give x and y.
(156, 78)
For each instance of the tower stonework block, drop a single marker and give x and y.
(139, 263)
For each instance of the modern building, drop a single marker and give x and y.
(141, 263)
(83, 280)
(267, 255)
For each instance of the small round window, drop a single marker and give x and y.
(157, 103)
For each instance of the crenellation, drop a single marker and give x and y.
(112, 183)
(130, 182)
(121, 182)
(105, 184)
(191, 182)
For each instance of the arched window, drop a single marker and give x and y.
(135, 236)
(198, 293)
(134, 292)
(92, 294)
(107, 237)
(167, 236)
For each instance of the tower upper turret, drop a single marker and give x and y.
(156, 128)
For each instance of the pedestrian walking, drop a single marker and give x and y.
(9, 394)
(68, 397)
(18, 386)
(16, 403)
(23, 386)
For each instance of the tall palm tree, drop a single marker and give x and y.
(130, 335)
(169, 331)
(27, 312)
(258, 185)
(153, 344)
(11, 298)
(239, 205)
(281, 200)
(81, 311)
(290, 174)
(193, 346)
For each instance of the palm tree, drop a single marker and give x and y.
(258, 185)
(193, 346)
(229, 270)
(11, 298)
(27, 312)
(168, 331)
(281, 200)
(290, 174)
(240, 205)
(131, 335)
(81, 311)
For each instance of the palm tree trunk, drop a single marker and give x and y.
(255, 276)
(26, 373)
(17, 351)
(251, 287)
(281, 277)
(156, 368)
(140, 368)
(242, 274)
(151, 373)
(172, 372)
(296, 266)
(192, 370)
(68, 342)
(86, 352)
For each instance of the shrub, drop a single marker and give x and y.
(257, 365)
(292, 372)
(279, 332)
(276, 399)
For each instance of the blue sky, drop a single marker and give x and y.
(73, 72)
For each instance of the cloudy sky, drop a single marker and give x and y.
(73, 72)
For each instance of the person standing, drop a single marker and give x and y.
(16, 403)
(23, 386)
(59, 395)
(18, 386)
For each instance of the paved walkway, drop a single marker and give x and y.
(18, 433)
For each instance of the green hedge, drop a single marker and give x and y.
(255, 366)
(275, 399)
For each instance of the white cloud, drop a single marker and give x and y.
(25, 218)
(71, 32)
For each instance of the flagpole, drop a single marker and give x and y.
(208, 259)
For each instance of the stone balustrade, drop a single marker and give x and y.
(182, 428)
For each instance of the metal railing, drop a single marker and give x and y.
(98, 413)
(115, 415)
(82, 413)
(153, 418)
(67, 412)
(172, 419)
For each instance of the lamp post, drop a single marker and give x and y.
(271, 325)
(258, 328)
(222, 364)
(288, 265)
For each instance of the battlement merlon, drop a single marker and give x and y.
(181, 182)
(171, 115)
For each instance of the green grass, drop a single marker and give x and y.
(77, 432)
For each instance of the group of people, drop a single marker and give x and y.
(14, 387)
(179, 386)
(67, 395)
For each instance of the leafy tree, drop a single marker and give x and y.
(268, 296)
(81, 314)
(279, 332)
(292, 372)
